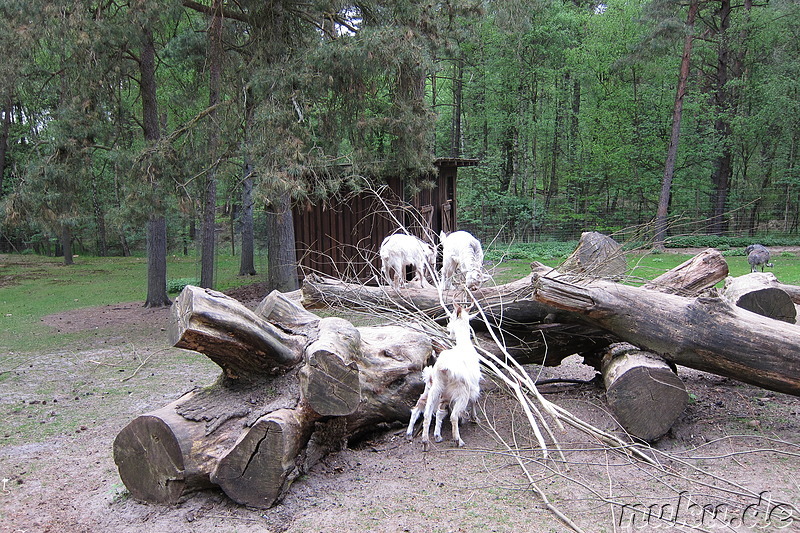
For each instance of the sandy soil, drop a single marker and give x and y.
(730, 463)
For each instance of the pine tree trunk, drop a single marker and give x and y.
(247, 261)
(723, 102)
(208, 244)
(157, 223)
(157, 262)
(281, 259)
(66, 244)
(677, 114)
(455, 129)
(4, 131)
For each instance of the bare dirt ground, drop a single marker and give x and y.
(731, 462)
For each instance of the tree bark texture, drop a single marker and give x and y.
(281, 260)
(4, 130)
(208, 244)
(247, 261)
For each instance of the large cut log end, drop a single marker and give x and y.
(329, 381)
(329, 385)
(644, 393)
(150, 461)
(261, 466)
(761, 293)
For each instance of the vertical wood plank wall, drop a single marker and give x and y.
(341, 237)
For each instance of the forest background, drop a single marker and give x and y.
(144, 127)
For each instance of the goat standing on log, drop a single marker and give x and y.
(399, 250)
(453, 380)
(462, 252)
(757, 255)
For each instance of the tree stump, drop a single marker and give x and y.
(642, 390)
(596, 255)
(761, 293)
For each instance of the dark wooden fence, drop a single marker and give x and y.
(341, 236)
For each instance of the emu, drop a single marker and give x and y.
(757, 255)
(454, 381)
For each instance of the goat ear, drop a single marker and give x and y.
(467, 314)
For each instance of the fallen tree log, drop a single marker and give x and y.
(243, 344)
(702, 333)
(534, 333)
(294, 386)
(693, 276)
(260, 426)
(760, 293)
(792, 290)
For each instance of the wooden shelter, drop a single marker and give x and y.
(341, 236)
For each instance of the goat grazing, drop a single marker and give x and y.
(454, 381)
(757, 255)
(462, 253)
(399, 250)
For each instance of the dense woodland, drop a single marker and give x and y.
(141, 125)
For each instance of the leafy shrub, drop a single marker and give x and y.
(728, 243)
(533, 251)
(177, 285)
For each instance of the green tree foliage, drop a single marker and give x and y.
(568, 105)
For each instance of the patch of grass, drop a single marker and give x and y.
(32, 287)
(642, 265)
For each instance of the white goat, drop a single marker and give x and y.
(454, 381)
(462, 253)
(399, 250)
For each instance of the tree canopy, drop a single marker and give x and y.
(567, 104)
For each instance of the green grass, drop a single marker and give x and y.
(513, 262)
(32, 287)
